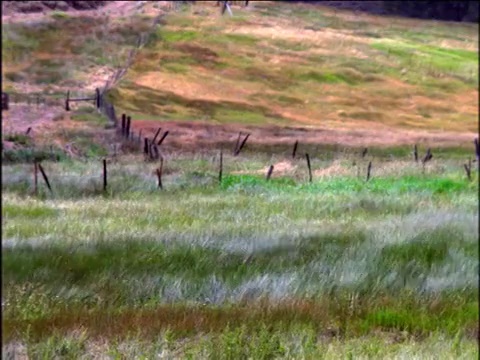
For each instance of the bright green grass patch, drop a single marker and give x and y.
(225, 115)
(33, 211)
(90, 115)
(177, 35)
(401, 185)
(455, 62)
(341, 75)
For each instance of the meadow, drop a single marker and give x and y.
(336, 268)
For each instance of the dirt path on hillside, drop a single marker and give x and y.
(41, 118)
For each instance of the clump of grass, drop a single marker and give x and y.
(28, 155)
(20, 139)
(90, 115)
(59, 15)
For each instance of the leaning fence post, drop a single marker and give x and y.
(237, 143)
(104, 175)
(309, 168)
(468, 171)
(269, 173)
(162, 138)
(294, 149)
(242, 145)
(45, 177)
(369, 169)
(156, 134)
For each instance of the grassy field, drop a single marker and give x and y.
(247, 268)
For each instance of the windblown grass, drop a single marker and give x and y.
(246, 263)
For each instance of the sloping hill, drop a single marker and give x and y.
(333, 77)
(308, 66)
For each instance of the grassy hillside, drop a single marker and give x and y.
(280, 63)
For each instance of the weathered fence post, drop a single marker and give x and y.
(127, 129)
(156, 134)
(35, 177)
(145, 146)
(369, 169)
(364, 152)
(477, 149)
(294, 149)
(428, 157)
(45, 177)
(242, 145)
(415, 153)
(104, 175)
(162, 138)
(237, 143)
(124, 123)
(269, 173)
(220, 170)
(97, 97)
(159, 174)
(468, 171)
(67, 101)
(310, 178)
(155, 151)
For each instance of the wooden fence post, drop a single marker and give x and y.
(477, 149)
(294, 149)
(67, 101)
(124, 123)
(428, 157)
(415, 153)
(269, 173)
(310, 178)
(159, 174)
(145, 146)
(45, 177)
(237, 143)
(156, 135)
(104, 175)
(155, 152)
(242, 145)
(220, 171)
(162, 138)
(468, 171)
(35, 177)
(369, 169)
(127, 129)
(364, 152)
(97, 97)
